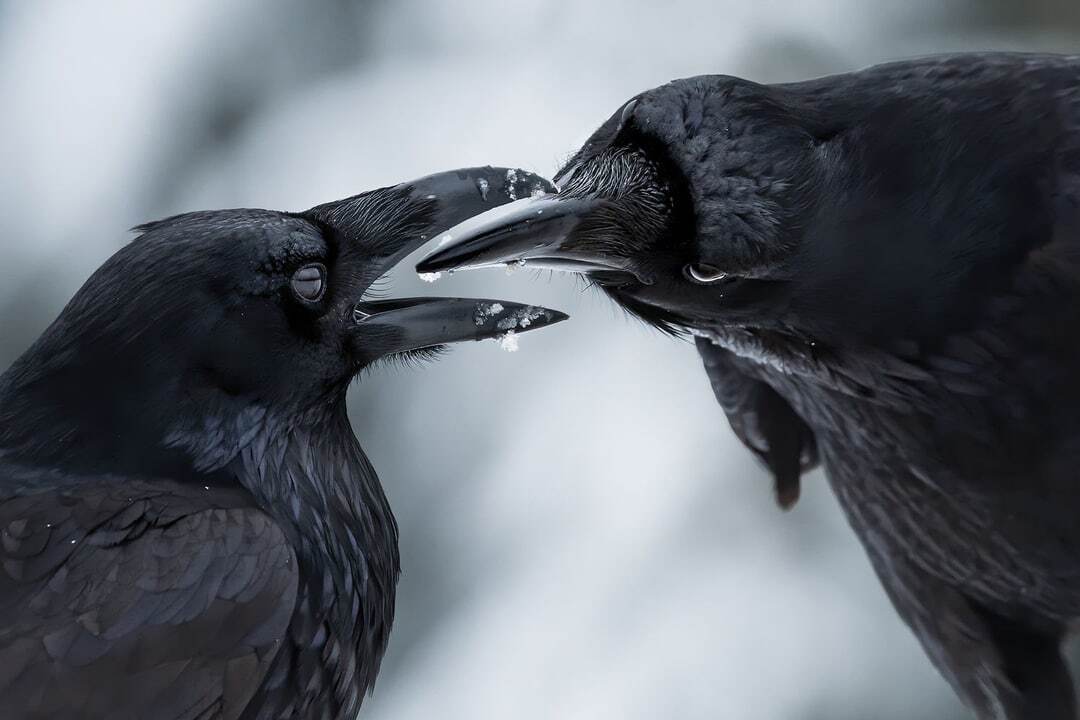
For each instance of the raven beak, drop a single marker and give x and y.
(462, 194)
(393, 326)
(452, 196)
(534, 231)
(403, 324)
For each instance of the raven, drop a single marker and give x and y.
(188, 526)
(881, 270)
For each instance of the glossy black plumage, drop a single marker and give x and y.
(188, 525)
(882, 270)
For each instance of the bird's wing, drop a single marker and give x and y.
(1001, 667)
(138, 599)
(763, 420)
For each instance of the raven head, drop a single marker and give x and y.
(863, 209)
(209, 322)
(675, 207)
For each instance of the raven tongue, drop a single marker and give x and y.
(403, 324)
(532, 231)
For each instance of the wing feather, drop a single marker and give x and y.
(134, 598)
(762, 420)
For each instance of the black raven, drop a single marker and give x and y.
(882, 273)
(188, 526)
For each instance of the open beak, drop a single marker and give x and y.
(535, 231)
(403, 324)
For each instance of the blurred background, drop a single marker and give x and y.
(582, 536)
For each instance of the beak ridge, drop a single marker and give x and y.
(466, 192)
(456, 194)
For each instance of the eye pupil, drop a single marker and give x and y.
(308, 282)
(704, 273)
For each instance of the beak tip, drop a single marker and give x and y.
(553, 317)
(493, 317)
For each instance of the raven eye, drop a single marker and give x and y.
(309, 282)
(703, 273)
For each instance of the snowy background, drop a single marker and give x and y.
(582, 536)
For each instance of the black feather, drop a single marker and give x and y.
(903, 284)
(188, 525)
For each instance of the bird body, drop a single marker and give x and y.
(199, 586)
(189, 528)
(882, 272)
(956, 469)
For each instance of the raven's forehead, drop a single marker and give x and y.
(291, 246)
(272, 242)
(742, 154)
